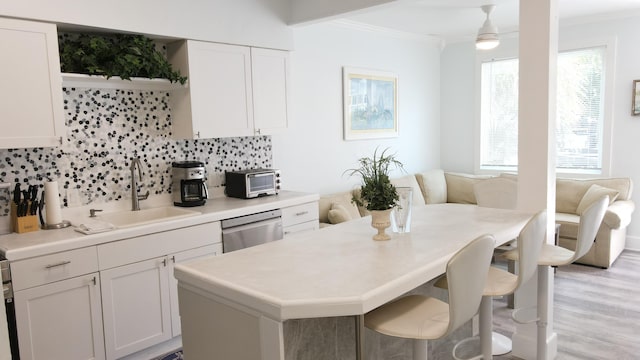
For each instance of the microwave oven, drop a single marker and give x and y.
(248, 184)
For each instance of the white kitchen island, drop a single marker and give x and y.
(233, 306)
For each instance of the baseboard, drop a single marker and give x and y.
(632, 243)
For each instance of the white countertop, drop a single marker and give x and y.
(21, 246)
(340, 270)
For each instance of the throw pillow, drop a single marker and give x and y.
(338, 215)
(349, 207)
(594, 193)
(434, 187)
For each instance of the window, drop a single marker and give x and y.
(580, 116)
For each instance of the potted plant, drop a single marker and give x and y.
(123, 55)
(377, 193)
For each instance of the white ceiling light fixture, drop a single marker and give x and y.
(488, 34)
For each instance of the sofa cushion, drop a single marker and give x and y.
(569, 192)
(460, 187)
(497, 192)
(568, 225)
(623, 185)
(410, 181)
(433, 186)
(339, 214)
(594, 193)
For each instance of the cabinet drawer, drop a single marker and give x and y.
(298, 228)
(54, 267)
(145, 247)
(293, 215)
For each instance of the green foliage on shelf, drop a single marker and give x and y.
(110, 55)
(377, 192)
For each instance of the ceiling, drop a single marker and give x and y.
(459, 20)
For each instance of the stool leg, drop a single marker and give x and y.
(420, 351)
(486, 326)
(543, 312)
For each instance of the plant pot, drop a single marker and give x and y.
(380, 220)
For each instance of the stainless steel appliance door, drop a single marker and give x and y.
(252, 234)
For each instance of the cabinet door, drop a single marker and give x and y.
(61, 320)
(218, 102)
(192, 254)
(135, 305)
(31, 112)
(270, 83)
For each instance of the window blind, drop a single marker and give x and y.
(580, 112)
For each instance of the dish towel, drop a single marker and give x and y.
(94, 226)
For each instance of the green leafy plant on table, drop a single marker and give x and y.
(377, 192)
(122, 55)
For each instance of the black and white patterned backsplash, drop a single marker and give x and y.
(106, 128)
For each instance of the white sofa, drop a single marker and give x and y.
(572, 196)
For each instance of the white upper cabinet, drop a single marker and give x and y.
(270, 75)
(218, 101)
(31, 113)
(233, 90)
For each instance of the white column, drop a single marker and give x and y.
(536, 145)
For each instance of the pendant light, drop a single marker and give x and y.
(488, 34)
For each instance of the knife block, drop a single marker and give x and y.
(23, 224)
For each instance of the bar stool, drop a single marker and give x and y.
(500, 282)
(552, 255)
(425, 318)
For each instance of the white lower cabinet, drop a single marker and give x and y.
(61, 320)
(300, 218)
(139, 291)
(140, 302)
(135, 306)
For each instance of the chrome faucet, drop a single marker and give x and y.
(135, 198)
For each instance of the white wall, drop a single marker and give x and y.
(458, 122)
(458, 108)
(312, 153)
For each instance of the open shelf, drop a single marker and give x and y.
(115, 82)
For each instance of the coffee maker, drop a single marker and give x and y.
(189, 187)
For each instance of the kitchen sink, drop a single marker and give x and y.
(123, 219)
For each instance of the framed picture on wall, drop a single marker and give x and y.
(635, 110)
(370, 104)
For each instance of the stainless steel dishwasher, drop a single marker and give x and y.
(250, 230)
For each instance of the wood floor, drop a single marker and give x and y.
(596, 311)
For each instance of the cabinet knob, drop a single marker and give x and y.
(94, 281)
(258, 131)
(164, 262)
(197, 135)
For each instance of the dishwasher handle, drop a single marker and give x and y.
(252, 218)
